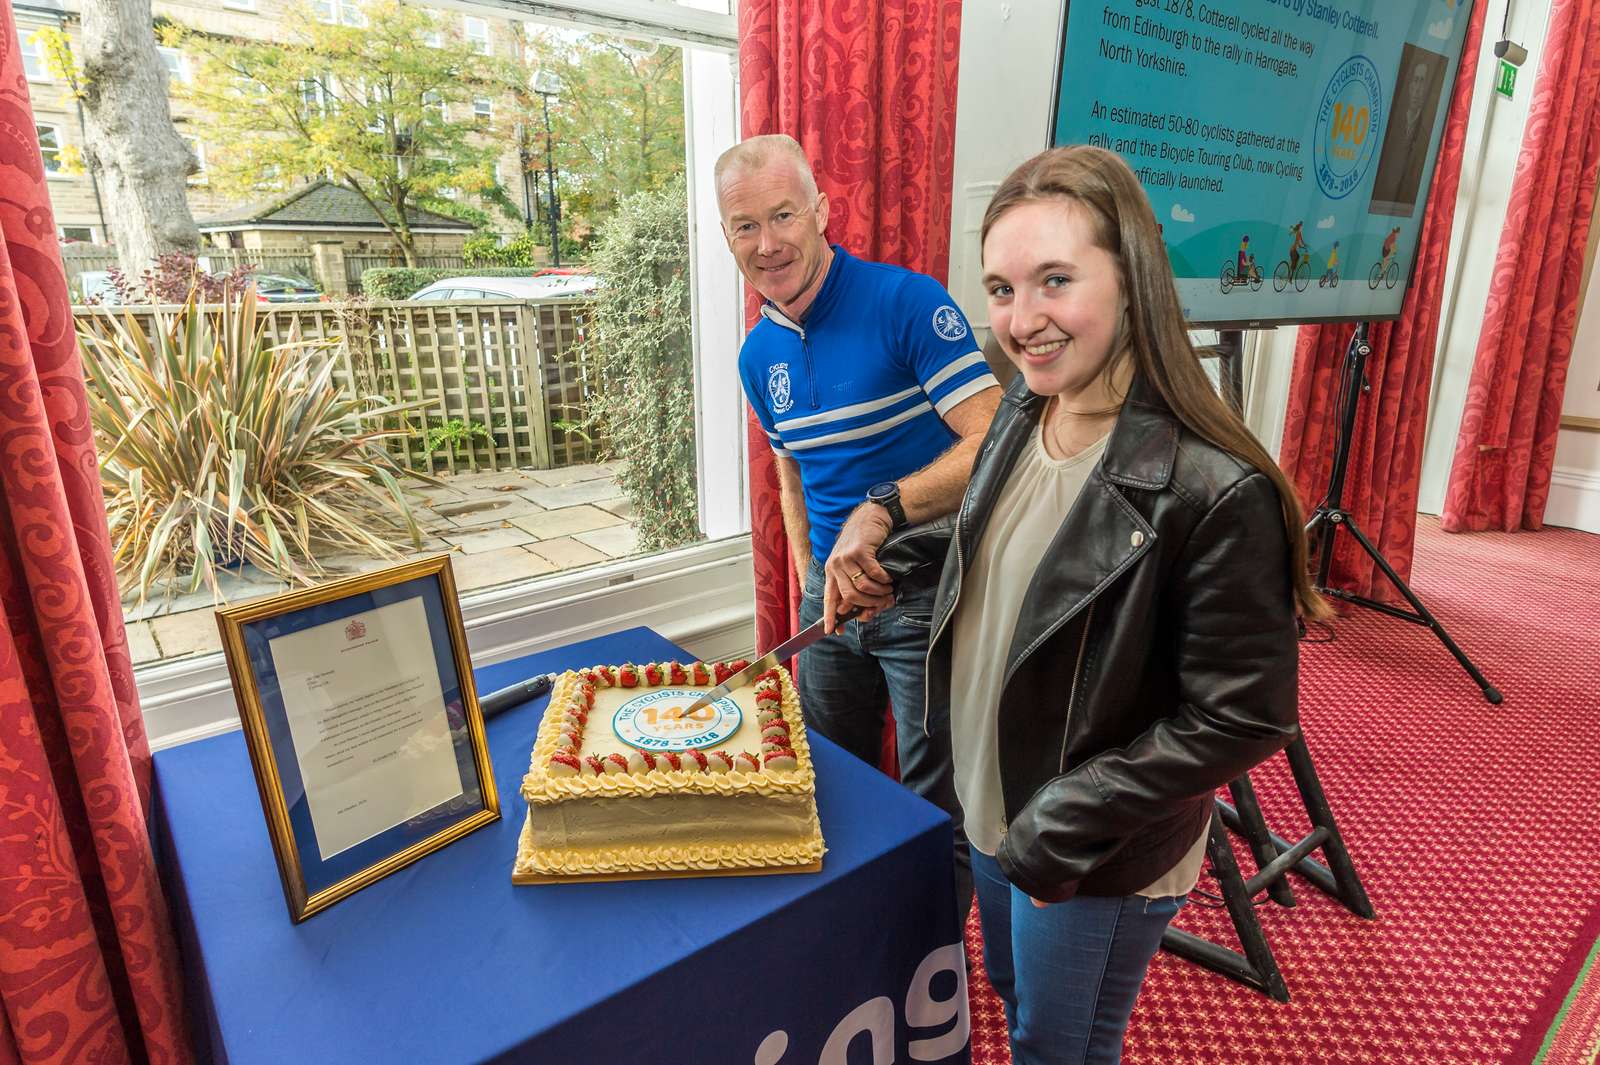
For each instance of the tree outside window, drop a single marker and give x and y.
(368, 108)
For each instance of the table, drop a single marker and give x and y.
(446, 962)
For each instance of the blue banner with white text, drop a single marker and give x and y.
(1286, 145)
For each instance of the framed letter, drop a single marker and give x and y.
(363, 726)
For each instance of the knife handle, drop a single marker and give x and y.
(515, 694)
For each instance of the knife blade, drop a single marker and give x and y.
(781, 653)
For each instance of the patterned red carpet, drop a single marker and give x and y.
(1476, 830)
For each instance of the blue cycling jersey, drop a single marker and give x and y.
(855, 392)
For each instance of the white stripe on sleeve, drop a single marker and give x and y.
(966, 361)
(971, 388)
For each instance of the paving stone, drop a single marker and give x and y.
(141, 644)
(476, 512)
(549, 524)
(567, 553)
(597, 471)
(474, 482)
(571, 495)
(431, 496)
(478, 541)
(500, 566)
(622, 508)
(190, 633)
(619, 541)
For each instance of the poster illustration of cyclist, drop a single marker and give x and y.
(1286, 145)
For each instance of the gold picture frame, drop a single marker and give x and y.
(347, 692)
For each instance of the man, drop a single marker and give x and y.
(874, 396)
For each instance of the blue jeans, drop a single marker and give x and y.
(845, 680)
(1068, 974)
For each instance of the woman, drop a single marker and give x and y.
(1114, 635)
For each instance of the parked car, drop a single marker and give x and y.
(544, 287)
(285, 288)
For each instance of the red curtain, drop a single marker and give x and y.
(869, 90)
(88, 967)
(1507, 447)
(1386, 456)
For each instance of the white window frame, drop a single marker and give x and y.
(61, 233)
(176, 64)
(60, 146)
(480, 41)
(483, 108)
(32, 53)
(239, 5)
(699, 596)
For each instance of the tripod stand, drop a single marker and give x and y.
(1330, 516)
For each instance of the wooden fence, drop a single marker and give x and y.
(516, 368)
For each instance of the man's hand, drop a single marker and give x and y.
(854, 578)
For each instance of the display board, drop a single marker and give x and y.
(1286, 145)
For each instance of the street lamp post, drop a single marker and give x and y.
(547, 84)
(523, 159)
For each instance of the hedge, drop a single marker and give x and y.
(403, 282)
(638, 342)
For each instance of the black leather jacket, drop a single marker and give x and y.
(1154, 658)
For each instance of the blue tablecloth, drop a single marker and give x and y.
(446, 961)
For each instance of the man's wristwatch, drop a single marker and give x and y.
(887, 496)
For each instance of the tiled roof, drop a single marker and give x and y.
(321, 203)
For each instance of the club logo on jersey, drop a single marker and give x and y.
(948, 323)
(779, 388)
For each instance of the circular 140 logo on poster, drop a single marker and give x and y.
(1348, 120)
(655, 721)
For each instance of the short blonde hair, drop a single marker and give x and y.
(758, 152)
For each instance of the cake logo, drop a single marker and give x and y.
(656, 721)
(948, 323)
(355, 630)
(780, 388)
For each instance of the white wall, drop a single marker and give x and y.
(1003, 116)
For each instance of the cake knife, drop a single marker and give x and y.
(781, 653)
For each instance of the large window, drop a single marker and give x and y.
(543, 448)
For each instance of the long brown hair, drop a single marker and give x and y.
(1125, 226)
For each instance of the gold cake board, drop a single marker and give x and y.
(524, 843)
(660, 874)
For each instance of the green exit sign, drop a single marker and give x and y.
(1506, 84)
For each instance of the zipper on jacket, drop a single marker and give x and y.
(811, 371)
(1072, 695)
